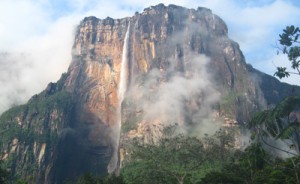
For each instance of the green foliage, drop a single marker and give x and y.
(280, 122)
(282, 72)
(289, 36)
(42, 103)
(35, 110)
(174, 158)
(227, 103)
(20, 181)
(30, 123)
(60, 83)
(61, 100)
(130, 124)
(4, 174)
(255, 166)
(290, 47)
(216, 177)
(254, 157)
(88, 178)
(139, 172)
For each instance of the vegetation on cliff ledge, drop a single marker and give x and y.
(29, 132)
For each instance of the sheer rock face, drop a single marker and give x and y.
(182, 68)
(94, 74)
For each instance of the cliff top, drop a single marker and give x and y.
(196, 14)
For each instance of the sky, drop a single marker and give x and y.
(38, 35)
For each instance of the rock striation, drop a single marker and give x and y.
(181, 67)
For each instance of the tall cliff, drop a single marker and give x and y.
(165, 65)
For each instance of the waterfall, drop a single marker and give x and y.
(124, 68)
(113, 164)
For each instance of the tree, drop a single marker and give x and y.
(244, 169)
(173, 158)
(3, 174)
(89, 178)
(255, 166)
(290, 46)
(280, 122)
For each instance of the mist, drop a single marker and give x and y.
(168, 97)
(27, 69)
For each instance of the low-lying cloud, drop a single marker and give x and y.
(185, 98)
(26, 69)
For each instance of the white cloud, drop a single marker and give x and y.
(280, 61)
(256, 26)
(20, 20)
(263, 23)
(34, 63)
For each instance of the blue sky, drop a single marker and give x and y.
(43, 31)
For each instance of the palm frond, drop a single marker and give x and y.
(287, 132)
(260, 118)
(286, 106)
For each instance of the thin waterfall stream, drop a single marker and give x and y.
(121, 93)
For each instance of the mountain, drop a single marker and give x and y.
(168, 64)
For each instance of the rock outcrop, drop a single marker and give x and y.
(181, 68)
